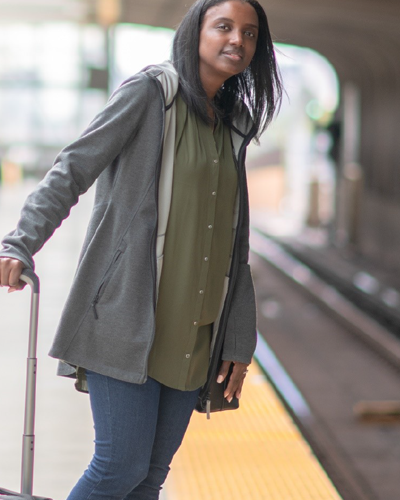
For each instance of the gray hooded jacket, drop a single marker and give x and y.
(108, 321)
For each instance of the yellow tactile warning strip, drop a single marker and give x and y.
(252, 453)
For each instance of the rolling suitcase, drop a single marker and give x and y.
(28, 439)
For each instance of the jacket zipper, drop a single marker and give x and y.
(204, 396)
(157, 183)
(153, 242)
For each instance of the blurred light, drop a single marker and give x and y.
(391, 297)
(323, 141)
(43, 10)
(94, 46)
(366, 283)
(314, 110)
(108, 11)
(312, 71)
(22, 154)
(57, 53)
(130, 40)
(271, 309)
(301, 274)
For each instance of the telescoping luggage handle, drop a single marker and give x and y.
(28, 439)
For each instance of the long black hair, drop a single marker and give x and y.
(259, 86)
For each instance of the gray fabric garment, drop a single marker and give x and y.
(117, 270)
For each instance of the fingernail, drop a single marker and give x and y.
(229, 399)
(220, 379)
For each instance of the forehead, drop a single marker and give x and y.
(235, 10)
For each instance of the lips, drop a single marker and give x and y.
(235, 55)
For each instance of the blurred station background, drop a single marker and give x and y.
(321, 409)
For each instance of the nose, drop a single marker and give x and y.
(236, 38)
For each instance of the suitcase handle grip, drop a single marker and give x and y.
(31, 279)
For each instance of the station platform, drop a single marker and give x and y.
(253, 453)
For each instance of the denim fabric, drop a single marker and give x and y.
(138, 429)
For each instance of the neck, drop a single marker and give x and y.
(211, 92)
(210, 84)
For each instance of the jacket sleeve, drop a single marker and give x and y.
(76, 168)
(241, 332)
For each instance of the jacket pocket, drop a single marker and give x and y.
(107, 278)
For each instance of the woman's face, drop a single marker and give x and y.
(228, 40)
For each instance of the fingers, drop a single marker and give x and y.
(10, 271)
(236, 379)
(223, 372)
(15, 273)
(238, 392)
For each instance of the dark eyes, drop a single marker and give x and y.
(225, 27)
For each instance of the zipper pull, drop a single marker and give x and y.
(95, 300)
(208, 408)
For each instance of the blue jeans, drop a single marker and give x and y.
(138, 429)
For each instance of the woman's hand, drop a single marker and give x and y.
(10, 271)
(236, 379)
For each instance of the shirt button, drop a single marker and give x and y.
(215, 161)
(214, 193)
(210, 226)
(206, 259)
(187, 356)
(195, 323)
(201, 292)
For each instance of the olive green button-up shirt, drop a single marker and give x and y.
(197, 248)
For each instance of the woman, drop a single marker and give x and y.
(169, 225)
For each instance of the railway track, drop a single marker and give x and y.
(363, 363)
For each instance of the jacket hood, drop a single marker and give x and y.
(166, 73)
